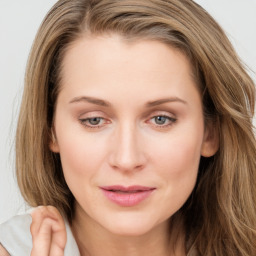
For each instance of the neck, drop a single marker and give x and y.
(93, 240)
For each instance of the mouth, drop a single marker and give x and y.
(127, 196)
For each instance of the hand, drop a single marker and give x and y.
(48, 232)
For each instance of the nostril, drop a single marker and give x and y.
(127, 166)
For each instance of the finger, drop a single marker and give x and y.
(42, 247)
(41, 236)
(48, 232)
(59, 234)
(37, 218)
(55, 250)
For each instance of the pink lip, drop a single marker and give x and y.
(127, 196)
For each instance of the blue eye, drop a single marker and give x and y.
(93, 122)
(162, 120)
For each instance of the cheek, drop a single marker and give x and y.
(79, 155)
(180, 156)
(178, 168)
(81, 152)
(178, 164)
(179, 172)
(80, 159)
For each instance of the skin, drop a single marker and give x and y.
(137, 138)
(48, 232)
(3, 252)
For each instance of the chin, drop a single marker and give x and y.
(131, 225)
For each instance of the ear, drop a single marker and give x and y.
(210, 143)
(53, 144)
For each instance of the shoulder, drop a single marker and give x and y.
(15, 235)
(3, 252)
(16, 238)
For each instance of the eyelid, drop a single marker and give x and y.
(162, 113)
(91, 126)
(83, 118)
(172, 119)
(90, 114)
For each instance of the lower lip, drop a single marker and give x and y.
(127, 199)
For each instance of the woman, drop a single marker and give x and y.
(136, 125)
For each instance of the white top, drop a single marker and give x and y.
(16, 238)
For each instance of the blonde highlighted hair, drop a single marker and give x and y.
(220, 215)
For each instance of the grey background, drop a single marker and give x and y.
(19, 21)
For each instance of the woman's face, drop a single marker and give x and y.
(130, 132)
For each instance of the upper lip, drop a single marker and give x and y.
(134, 188)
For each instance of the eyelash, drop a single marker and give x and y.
(84, 122)
(171, 120)
(90, 126)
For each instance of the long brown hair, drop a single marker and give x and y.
(220, 215)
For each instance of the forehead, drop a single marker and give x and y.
(106, 62)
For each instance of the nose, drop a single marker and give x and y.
(127, 149)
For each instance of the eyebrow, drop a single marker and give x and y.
(104, 103)
(165, 100)
(92, 100)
